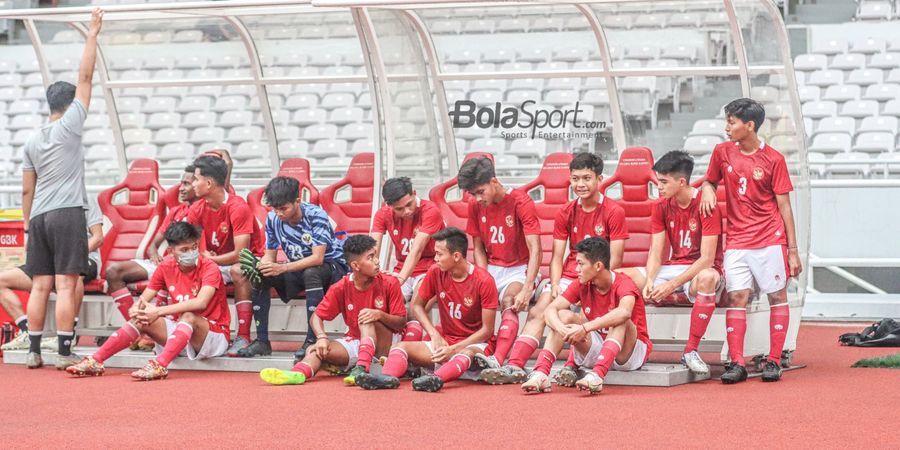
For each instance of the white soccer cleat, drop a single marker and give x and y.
(50, 343)
(694, 363)
(20, 342)
(591, 382)
(483, 361)
(538, 382)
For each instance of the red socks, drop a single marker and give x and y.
(303, 368)
(177, 341)
(124, 301)
(736, 327)
(545, 361)
(396, 363)
(570, 361)
(506, 335)
(522, 349)
(454, 368)
(366, 352)
(701, 313)
(120, 340)
(608, 353)
(245, 315)
(162, 298)
(779, 318)
(413, 331)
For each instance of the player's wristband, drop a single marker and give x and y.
(584, 328)
(792, 248)
(321, 337)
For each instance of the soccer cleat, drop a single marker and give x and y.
(34, 361)
(771, 372)
(566, 377)
(50, 343)
(332, 369)
(239, 343)
(590, 382)
(537, 383)
(144, 344)
(151, 371)
(248, 267)
(87, 367)
(370, 382)
(256, 348)
(504, 375)
(427, 383)
(693, 362)
(482, 361)
(734, 373)
(350, 380)
(63, 362)
(20, 342)
(280, 377)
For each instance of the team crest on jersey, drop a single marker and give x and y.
(693, 225)
(224, 228)
(468, 301)
(757, 174)
(509, 221)
(671, 224)
(483, 219)
(350, 307)
(415, 231)
(379, 302)
(443, 295)
(730, 169)
(306, 238)
(587, 310)
(598, 229)
(194, 291)
(171, 288)
(396, 232)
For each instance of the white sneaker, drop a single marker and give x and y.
(694, 363)
(538, 382)
(50, 343)
(20, 342)
(590, 382)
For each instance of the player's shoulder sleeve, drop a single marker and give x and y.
(428, 289)
(432, 220)
(572, 294)
(658, 216)
(615, 221)
(330, 306)
(379, 222)
(158, 280)
(487, 289)
(714, 170)
(394, 294)
(527, 213)
(73, 119)
(625, 287)
(781, 179)
(472, 219)
(242, 219)
(322, 233)
(561, 222)
(194, 212)
(272, 240)
(711, 225)
(210, 275)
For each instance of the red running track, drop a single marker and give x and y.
(828, 404)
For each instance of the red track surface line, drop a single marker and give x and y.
(828, 404)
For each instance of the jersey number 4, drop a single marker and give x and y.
(497, 236)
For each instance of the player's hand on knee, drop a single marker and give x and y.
(520, 302)
(368, 315)
(320, 348)
(573, 333)
(444, 353)
(662, 291)
(648, 290)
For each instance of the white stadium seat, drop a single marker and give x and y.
(831, 143)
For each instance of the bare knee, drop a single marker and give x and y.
(188, 318)
(737, 299)
(707, 280)
(114, 273)
(537, 311)
(777, 298)
(236, 275)
(508, 301)
(567, 316)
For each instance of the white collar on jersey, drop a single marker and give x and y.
(599, 200)
(471, 268)
(694, 192)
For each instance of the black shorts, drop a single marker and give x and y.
(91, 274)
(57, 243)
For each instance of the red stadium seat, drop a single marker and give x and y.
(135, 209)
(297, 168)
(355, 215)
(635, 175)
(554, 181)
(455, 211)
(170, 198)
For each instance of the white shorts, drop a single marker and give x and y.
(352, 347)
(764, 266)
(563, 285)
(215, 344)
(226, 274)
(410, 284)
(671, 272)
(588, 361)
(504, 276)
(147, 265)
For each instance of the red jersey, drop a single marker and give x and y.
(607, 220)
(685, 228)
(503, 226)
(184, 286)
(427, 219)
(345, 299)
(594, 304)
(176, 214)
(751, 184)
(232, 219)
(460, 302)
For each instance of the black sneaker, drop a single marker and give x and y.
(734, 373)
(256, 348)
(772, 371)
(371, 382)
(301, 352)
(427, 383)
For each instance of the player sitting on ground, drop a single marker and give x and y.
(590, 215)
(467, 304)
(615, 332)
(195, 321)
(694, 266)
(761, 239)
(371, 305)
(504, 227)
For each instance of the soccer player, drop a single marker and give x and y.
(762, 244)
(504, 227)
(591, 214)
(53, 203)
(369, 302)
(614, 334)
(694, 266)
(315, 261)
(228, 227)
(194, 323)
(467, 304)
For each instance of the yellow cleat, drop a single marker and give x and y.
(280, 377)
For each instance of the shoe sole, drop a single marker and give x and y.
(534, 390)
(82, 373)
(728, 381)
(430, 386)
(591, 390)
(566, 379)
(278, 377)
(373, 384)
(35, 367)
(499, 378)
(771, 379)
(162, 377)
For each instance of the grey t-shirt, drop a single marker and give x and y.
(93, 216)
(54, 152)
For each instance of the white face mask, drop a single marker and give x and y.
(189, 258)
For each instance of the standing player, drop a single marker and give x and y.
(53, 203)
(761, 238)
(371, 305)
(590, 215)
(228, 227)
(467, 303)
(614, 336)
(198, 304)
(315, 261)
(694, 266)
(504, 226)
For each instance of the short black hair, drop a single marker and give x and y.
(748, 110)
(181, 233)
(475, 172)
(281, 191)
(587, 160)
(595, 249)
(356, 245)
(676, 162)
(60, 95)
(190, 169)
(455, 238)
(212, 167)
(396, 188)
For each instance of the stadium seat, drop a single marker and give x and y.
(865, 77)
(829, 47)
(635, 175)
(810, 62)
(831, 143)
(860, 108)
(874, 10)
(809, 93)
(884, 61)
(292, 149)
(297, 168)
(698, 145)
(354, 215)
(455, 209)
(819, 110)
(842, 93)
(848, 61)
(874, 142)
(825, 78)
(550, 191)
(709, 127)
(883, 123)
(882, 92)
(838, 124)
